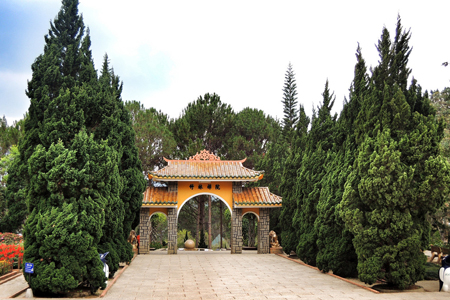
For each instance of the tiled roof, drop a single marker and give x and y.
(205, 166)
(205, 170)
(256, 197)
(159, 196)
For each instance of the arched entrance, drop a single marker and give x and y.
(249, 230)
(202, 174)
(205, 215)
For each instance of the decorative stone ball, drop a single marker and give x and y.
(189, 244)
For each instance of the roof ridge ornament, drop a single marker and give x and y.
(204, 155)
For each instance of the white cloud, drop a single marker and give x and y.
(12, 87)
(170, 52)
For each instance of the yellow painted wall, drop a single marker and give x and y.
(254, 210)
(188, 189)
(158, 209)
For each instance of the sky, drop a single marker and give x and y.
(168, 53)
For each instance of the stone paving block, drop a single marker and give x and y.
(223, 276)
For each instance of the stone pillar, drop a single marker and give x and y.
(144, 230)
(236, 231)
(172, 234)
(263, 231)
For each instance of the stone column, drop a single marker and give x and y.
(172, 234)
(144, 230)
(263, 231)
(236, 231)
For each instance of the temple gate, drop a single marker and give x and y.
(206, 174)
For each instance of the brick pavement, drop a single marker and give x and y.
(220, 275)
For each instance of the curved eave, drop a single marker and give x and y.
(255, 205)
(203, 161)
(187, 178)
(162, 205)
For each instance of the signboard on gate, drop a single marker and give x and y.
(29, 268)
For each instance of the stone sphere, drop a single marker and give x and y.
(189, 244)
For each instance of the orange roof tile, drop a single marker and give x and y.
(159, 196)
(205, 166)
(256, 197)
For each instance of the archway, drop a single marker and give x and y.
(207, 213)
(250, 230)
(158, 230)
(207, 174)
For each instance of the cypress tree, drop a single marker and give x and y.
(399, 176)
(66, 170)
(202, 243)
(309, 181)
(293, 164)
(67, 197)
(336, 250)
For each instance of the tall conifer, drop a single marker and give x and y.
(398, 176)
(287, 191)
(309, 180)
(336, 251)
(78, 167)
(290, 103)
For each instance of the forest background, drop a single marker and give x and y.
(361, 191)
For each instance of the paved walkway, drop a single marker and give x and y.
(12, 286)
(219, 275)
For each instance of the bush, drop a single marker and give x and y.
(156, 245)
(431, 271)
(9, 238)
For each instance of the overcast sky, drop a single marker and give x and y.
(170, 52)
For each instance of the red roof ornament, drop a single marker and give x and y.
(204, 155)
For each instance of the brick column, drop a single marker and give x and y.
(263, 231)
(144, 230)
(236, 231)
(172, 235)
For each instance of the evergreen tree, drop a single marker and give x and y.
(112, 122)
(289, 101)
(204, 124)
(153, 137)
(398, 176)
(309, 180)
(336, 251)
(202, 243)
(78, 166)
(292, 165)
(250, 136)
(67, 197)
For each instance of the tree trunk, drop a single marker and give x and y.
(221, 236)
(209, 222)
(197, 235)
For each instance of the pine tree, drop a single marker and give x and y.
(204, 124)
(398, 177)
(250, 135)
(153, 137)
(289, 101)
